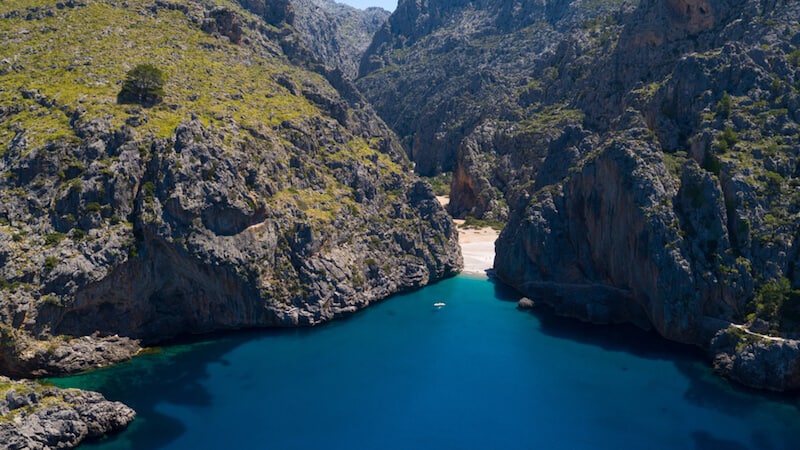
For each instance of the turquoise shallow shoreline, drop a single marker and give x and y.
(476, 374)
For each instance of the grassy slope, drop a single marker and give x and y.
(78, 58)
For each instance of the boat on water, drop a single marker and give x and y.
(439, 305)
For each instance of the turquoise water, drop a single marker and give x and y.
(476, 374)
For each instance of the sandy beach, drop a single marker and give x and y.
(477, 245)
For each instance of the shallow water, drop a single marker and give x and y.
(476, 374)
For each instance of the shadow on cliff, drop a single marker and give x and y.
(616, 337)
(705, 389)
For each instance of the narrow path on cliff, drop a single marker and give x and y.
(762, 336)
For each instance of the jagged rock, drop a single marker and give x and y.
(39, 417)
(486, 119)
(273, 11)
(25, 356)
(644, 152)
(756, 360)
(336, 33)
(265, 192)
(225, 22)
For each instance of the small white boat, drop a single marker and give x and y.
(439, 305)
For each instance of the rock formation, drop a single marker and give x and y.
(262, 192)
(645, 154)
(38, 417)
(336, 33)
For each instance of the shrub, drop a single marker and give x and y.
(50, 263)
(794, 58)
(144, 84)
(149, 189)
(474, 222)
(52, 239)
(52, 300)
(712, 163)
(93, 207)
(724, 106)
(727, 139)
(78, 234)
(776, 301)
(441, 183)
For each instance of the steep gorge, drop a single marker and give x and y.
(644, 153)
(337, 34)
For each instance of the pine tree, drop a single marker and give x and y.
(144, 84)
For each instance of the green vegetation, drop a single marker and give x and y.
(52, 300)
(321, 207)
(674, 162)
(144, 84)
(441, 183)
(726, 139)
(78, 234)
(93, 207)
(794, 57)
(47, 399)
(777, 303)
(149, 190)
(76, 58)
(712, 162)
(6, 285)
(472, 222)
(724, 106)
(552, 116)
(54, 238)
(50, 263)
(743, 338)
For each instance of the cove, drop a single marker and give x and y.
(476, 374)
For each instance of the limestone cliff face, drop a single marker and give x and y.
(605, 245)
(697, 230)
(262, 196)
(273, 11)
(441, 73)
(645, 154)
(336, 33)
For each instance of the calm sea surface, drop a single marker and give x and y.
(476, 374)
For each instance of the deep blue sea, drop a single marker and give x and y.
(476, 374)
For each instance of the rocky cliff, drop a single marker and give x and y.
(460, 83)
(336, 33)
(260, 192)
(645, 153)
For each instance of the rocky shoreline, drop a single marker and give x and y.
(34, 416)
(149, 223)
(643, 156)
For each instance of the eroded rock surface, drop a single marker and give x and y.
(336, 33)
(644, 153)
(263, 191)
(40, 417)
